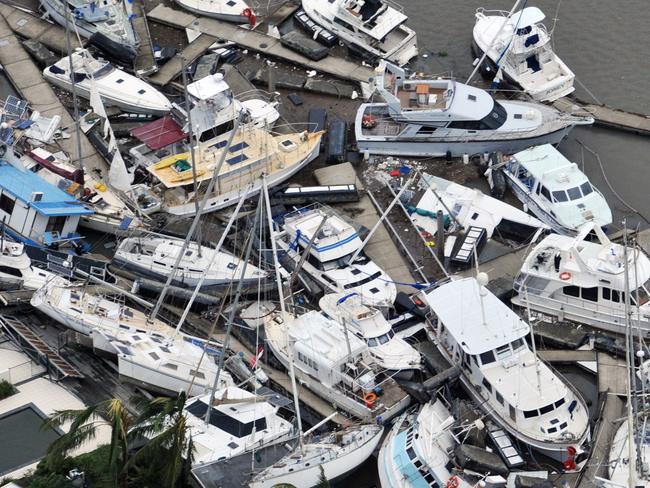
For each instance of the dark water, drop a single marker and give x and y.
(604, 43)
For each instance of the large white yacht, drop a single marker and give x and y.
(555, 190)
(154, 256)
(582, 279)
(240, 422)
(521, 47)
(438, 117)
(335, 365)
(369, 324)
(328, 262)
(115, 86)
(105, 23)
(16, 268)
(375, 28)
(474, 330)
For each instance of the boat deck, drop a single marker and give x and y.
(409, 98)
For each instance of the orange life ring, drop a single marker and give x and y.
(565, 276)
(370, 399)
(453, 482)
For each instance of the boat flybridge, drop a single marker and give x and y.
(555, 190)
(115, 87)
(437, 117)
(240, 422)
(582, 279)
(521, 47)
(369, 324)
(154, 256)
(487, 341)
(254, 152)
(106, 23)
(333, 244)
(374, 28)
(334, 365)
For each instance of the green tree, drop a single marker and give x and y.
(83, 428)
(323, 482)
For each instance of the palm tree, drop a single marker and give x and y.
(164, 424)
(83, 427)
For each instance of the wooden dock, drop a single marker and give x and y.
(260, 42)
(144, 63)
(29, 82)
(605, 116)
(172, 68)
(31, 27)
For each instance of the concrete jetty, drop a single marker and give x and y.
(260, 42)
(605, 116)
(31, 27)
(29, 82)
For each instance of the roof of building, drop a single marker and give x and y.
(476, 318)
(54, 202)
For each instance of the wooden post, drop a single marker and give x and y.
(440, 235)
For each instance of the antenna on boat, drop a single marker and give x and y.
(283, 310)
(496, 36)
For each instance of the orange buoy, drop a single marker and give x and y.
(370, 399)
(565, 276)
(453, 482)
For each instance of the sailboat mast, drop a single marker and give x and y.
(278, 279)
(75, 100)
(629, 343)
(233, 309)
(195, 223)
(640, 411)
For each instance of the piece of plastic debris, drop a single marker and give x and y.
(354, 95)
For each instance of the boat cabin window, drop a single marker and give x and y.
(586, 188)
(487, 357)
(572, 291)
(545, 193)
(382, 339)
(492, 121)
(611, 295)
(217, 131)
(10, 271)
(504, 351)
(517, 344)
(560, 196)
(343, 24)
(574, 193)
(499, 397)
(590, 294)
(225, 422)
(367, 279)
(487, 385)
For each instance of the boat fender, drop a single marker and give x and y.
(564, 276)
(453, 482)
(370, 399)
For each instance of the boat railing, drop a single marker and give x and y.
(394, 5)
(486, 12)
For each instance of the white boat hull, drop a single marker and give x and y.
(215, 12)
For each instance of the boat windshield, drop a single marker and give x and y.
(496, 118)
(382, 339)
(575, 193)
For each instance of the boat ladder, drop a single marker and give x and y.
(506, 449)
(24, 337)
(474, 238)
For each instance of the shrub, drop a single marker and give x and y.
(6, 389)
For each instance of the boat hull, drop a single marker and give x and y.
(237, 18)
(221, 201)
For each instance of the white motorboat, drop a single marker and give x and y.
(254, 152)
(16, 268)
(582, 279)
(229, 10)
(329, 257)
(555, 190)
(240, 422)
(111, 213)
(115, 87)
(468, 207)
(436, 117)
(333, 455)
(154, 256)
(167, 365)
(105, 23)
(416, 450)
(478, 333)
(374, 28)
(369, 324)
(334, 365)
(520, 46)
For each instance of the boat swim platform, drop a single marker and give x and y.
(28, 80)
(605, 116)
(32, 27)
(27, 339)
(259, 42)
